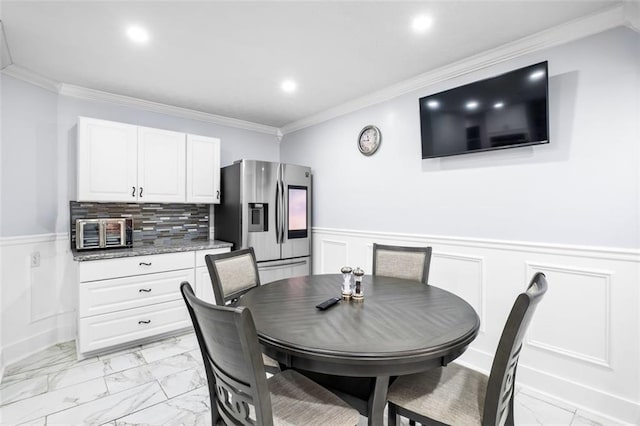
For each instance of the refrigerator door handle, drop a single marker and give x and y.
(284, 265)
(282, 210)
(277, 206)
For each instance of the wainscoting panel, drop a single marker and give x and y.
(583, 333)
(463, 276)
(39, 300)
(581, 349)
(334, 255)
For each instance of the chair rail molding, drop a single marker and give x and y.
(581, 347)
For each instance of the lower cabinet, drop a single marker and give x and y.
(124, 300)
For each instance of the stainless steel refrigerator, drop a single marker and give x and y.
(267, 206)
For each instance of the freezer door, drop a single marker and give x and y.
(259, 208)
(278, 270)
(296, 220)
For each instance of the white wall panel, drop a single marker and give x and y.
(582, 345)
(582, 333)
(463, 276)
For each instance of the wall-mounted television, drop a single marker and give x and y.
(506, 111)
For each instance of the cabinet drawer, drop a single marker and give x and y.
(135, 265)
(102, 331)
(101, 297)
(200, 254)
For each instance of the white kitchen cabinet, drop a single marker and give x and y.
(204, 288)
(107, 160)
(125, 300)
(161, 166)
(122, 162)
(203, 169)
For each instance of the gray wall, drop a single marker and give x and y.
(580, 189)
(39, 151)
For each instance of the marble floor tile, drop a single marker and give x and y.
(110, 407)
(42, 421)
(41, 405)
(589, 419)
(100, 368)
(56, 354)
(532, 411)
(166, 349)
(182, 382)
(15, 391)
(162, 382)
(191, 408)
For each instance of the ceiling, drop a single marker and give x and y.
(230, 58)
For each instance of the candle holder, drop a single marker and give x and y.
(346, 282)
(358, 293)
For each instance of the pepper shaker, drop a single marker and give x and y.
(358, 294)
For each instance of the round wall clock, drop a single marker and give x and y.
(369, 140)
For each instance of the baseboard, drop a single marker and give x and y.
(33, 344)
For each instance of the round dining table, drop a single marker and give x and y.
(355, 348)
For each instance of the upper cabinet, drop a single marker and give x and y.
(203, 169)
(123, 162)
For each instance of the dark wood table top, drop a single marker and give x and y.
(402, 326)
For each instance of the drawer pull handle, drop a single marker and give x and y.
(145, 264)
(144, 322)
(145, 290)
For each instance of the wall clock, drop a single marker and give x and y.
(369, 140)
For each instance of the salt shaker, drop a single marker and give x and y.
(358, 294)
(346, 283)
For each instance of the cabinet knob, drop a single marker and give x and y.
(140, 192)
(218, 195)
(133, 191)
(144, 322)
(145, 264)
(144, 290)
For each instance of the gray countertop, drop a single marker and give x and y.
(178, 246)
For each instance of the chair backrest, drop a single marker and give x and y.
(402, 262)
(232, 274)
(498, 405)
(232, 360)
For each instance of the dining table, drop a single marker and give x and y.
(357, 348)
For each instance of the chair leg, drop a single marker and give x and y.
(392, 416)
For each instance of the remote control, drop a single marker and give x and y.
(327, 303)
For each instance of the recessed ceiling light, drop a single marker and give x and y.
(536, 75)
(498, 105)
(138, 34)
(421, 23)
(472, 105)
(288, 86)
(433, 104)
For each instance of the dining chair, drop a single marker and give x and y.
(232, 275)
(457, 395)
(239, 391)
(402, 262)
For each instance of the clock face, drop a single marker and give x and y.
(369, 140)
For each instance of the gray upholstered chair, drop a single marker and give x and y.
(456, 395)
(239, 391)
(402, 262)
(232, 275)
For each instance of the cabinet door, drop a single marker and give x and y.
(107, 161)
(204, 288)
(203, 169)
(161, 166)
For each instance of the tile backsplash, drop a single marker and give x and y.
(153, 223)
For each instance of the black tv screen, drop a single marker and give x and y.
(506, 111)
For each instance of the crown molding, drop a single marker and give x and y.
(71, 90)
(97, 95)
(31, 77)
(618, 15)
